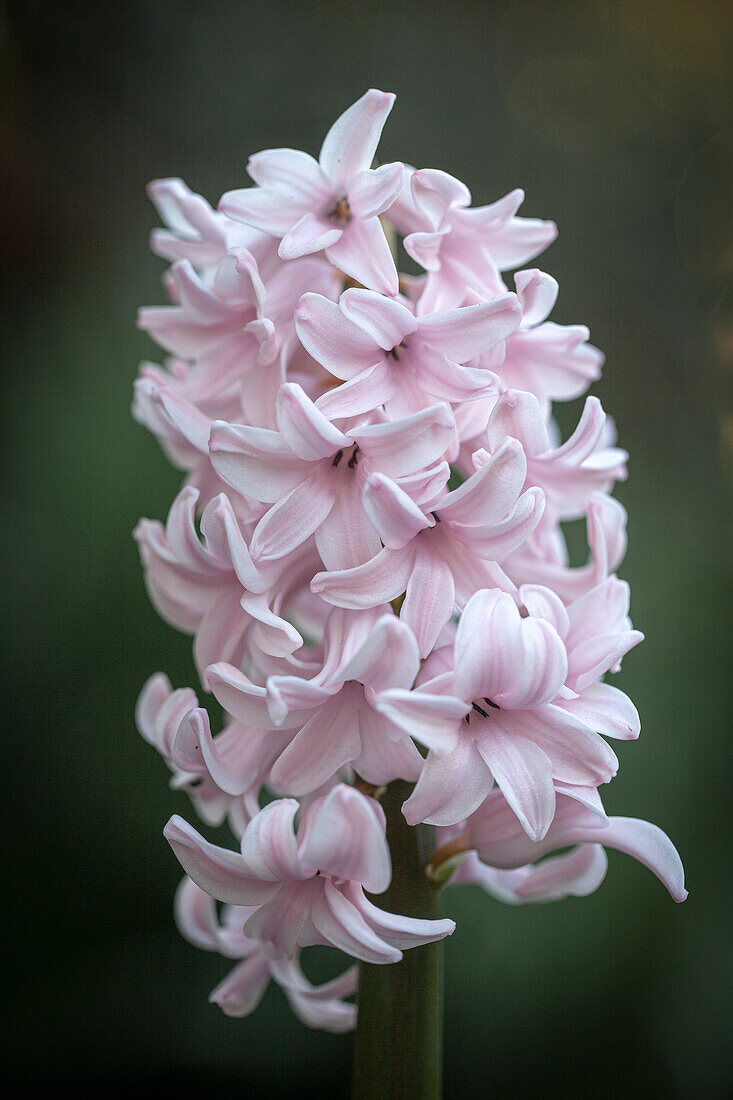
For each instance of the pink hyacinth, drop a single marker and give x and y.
(368, 552)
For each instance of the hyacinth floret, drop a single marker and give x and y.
(368, 553)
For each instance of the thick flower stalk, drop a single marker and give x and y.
(368, 553)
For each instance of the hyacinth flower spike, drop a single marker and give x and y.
(369, 553)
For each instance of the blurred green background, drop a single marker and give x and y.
(615, 118)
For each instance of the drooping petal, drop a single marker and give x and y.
(450, 787)
(401, 932)
(524, 774)
(378, 581)
(293, 519)
(218, 871)
(338, 344)
(325, 744)
(430, 598)
(518, 415)
(241, 991)
(537, 293)
(362, 251)
(310, 234)
(341, 924)
(256, 461)
(196, 917)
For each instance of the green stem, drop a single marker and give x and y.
(398, 1044)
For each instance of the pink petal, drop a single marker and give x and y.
(430, 598)
(218, 871)
(371, 192)
(577, 873)
(294, 175)
(378, 581)
(439, 376)
(346, 538)
(490, 655)
(196, 916)
(350, 144)
(402, 932)
(256, 461)
(462, 334)
(363, 393)
(543, 603)
(384, 320)
(425, 249)
(241, 991)
(386, 754)
(435, 192)
(327, 334)
(310, 234)
(362, 251)
(224, 537)
(269, 848)
(407, 445)
(341, 924)
(245, 701)
(494, 541)
(606, 710)
(537, 293)
(293, 519)
(396, 517)
(652, 847)
(518, 415)
(347, 842)
(587, 435)
(324, 745)
(450, 787)
(578, 755)
(389, 657)
(490, 493)
(308, 432)
(433, 720)
(524, 774)
(265, 210)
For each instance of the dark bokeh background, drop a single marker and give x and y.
(615, 118)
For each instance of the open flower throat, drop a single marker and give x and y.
(368, 552)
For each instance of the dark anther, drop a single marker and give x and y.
(490, 704)
(479, 710)
(396, 352)
(194, 783)
(337, 458)
(468, 719)
(354, 459)
(436, 517)
(339, 212)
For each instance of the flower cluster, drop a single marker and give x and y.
(368, 552)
